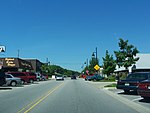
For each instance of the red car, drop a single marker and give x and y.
(44, 77)
(25, 76)
(144, 89)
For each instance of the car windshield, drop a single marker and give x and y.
(59, 76)
(140, 76)
(8, 76)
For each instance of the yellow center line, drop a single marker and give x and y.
(37, 101)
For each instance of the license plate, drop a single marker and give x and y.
(126, 84)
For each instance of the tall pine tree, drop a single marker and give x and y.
(109, 64)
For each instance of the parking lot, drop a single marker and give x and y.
(132, 96)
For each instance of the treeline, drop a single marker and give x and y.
(54, 69)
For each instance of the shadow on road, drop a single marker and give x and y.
(130, 93)
(5, 88)
(145, 100)
(19, 86)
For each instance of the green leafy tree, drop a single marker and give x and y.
(126, 55)
(109, 64)
(54, 69)
(68, 73)
(93, 62)
(45, 69)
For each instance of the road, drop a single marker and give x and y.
(68, 96)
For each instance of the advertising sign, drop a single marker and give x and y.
(2, 48)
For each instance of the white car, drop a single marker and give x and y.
(12, 81)
(59, 77)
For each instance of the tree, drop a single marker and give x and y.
(45, 69)
(93, 62)
(126, 55)
(54, 69)
(109, 64)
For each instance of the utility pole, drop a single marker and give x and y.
(47, 61)
(96, 53)
(18, 53)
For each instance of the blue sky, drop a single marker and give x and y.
(68, 31)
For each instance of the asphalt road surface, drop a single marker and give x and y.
(68, 96)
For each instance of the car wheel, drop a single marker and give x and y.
(13, 83)
(31, 81)
(126, 91)
(22, 81)
(94, 79)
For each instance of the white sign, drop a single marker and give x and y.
(2, 48)
(1, 64)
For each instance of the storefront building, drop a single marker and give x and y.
(36, 64)
(15, 64)
(142, 65)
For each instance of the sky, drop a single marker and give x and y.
(68, 31)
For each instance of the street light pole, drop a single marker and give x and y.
(96, 53)
(18, 53)
(86, 62)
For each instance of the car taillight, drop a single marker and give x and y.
(142, 86)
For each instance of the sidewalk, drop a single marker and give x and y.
(101, 85)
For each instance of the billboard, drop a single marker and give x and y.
(2, 48)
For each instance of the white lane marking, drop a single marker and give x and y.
(137, 99)
(119, 92)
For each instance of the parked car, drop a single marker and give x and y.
(31, 76)
(144, 89)
(132, 81)
(38, 76)
(88, 78)
(2, 78)
(59, 77)
(97, 77)
(44, 77)
(25, 76)
(41, 77)
(73, 77)
(12, 81)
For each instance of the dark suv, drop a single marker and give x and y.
(25, 76)
(132, 81)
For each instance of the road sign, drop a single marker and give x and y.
(2, 48)
(96, 67)
(87, 71)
